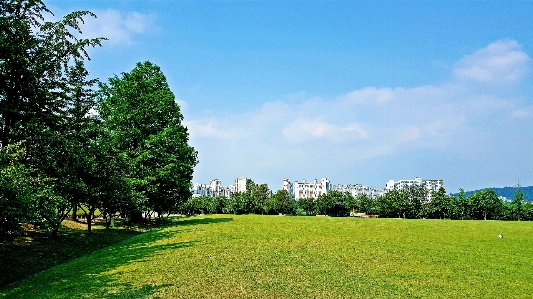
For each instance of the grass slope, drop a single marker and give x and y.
(227, 256)
(36, 251)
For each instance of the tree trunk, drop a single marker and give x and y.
(90, 220)
(74, 211)
(136, 217)
(54, 233)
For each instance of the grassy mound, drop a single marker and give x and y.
(229, 256)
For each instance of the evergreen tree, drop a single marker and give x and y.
(144, 124)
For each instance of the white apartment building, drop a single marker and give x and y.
(287, 186)
(358, 189)
(314, 189)
(430, 185)
(200, 190)
(240, 185)
(307, 189)
(215, 188)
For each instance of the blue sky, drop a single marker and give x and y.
(358, 92)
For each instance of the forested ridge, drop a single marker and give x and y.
(507, 192)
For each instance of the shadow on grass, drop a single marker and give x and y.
(196, 221)
(99, 274)
(36, 251)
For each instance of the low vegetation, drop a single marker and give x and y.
(252, 256)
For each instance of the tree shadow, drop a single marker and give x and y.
(98, 275)
(36, 251)
(196, 221)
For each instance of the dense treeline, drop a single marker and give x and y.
(412, 202)
(257, 199)
(68, 142)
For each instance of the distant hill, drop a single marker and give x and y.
(507, 192)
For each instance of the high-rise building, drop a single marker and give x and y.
(215, 188)
(240, 184)
(307, 189)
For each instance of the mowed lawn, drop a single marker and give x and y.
(252, 256)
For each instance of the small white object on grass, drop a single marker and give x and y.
(500, 236)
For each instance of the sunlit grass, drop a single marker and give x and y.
(227, 256)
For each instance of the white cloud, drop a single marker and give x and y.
(301, 134)
(502, 62)
(116, 26)
(369, 95)
(207, 129)
(409, 134)
(485, 105)
(305, 129)
(355, 129)
(522, 113)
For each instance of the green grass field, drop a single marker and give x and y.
(228, 256)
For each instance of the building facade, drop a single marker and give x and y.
(430, 185)
(305, 189)
(240, 184)
(216, 189)
(358, 189)
(314, 189)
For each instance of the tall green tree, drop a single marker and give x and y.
(259, 195)
(16, 192)
(144, 124)
(463, 206)
(34, 60)
(307, 205)
(518, 204)
(388, 204)
(281, 202)
(486, 204)
(367, 205)
(439, 205)
(38, 61)
(335, 203)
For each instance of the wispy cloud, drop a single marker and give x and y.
(208, 129)
(502, 62)
(304, 129)
(118, 27)
(369, 95)
(525, 112)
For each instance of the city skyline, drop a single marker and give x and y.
(315, 188)
(360, 92)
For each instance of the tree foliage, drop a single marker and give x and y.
(335, 203)
(57, 153)
(143, 122)
(282, 203)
